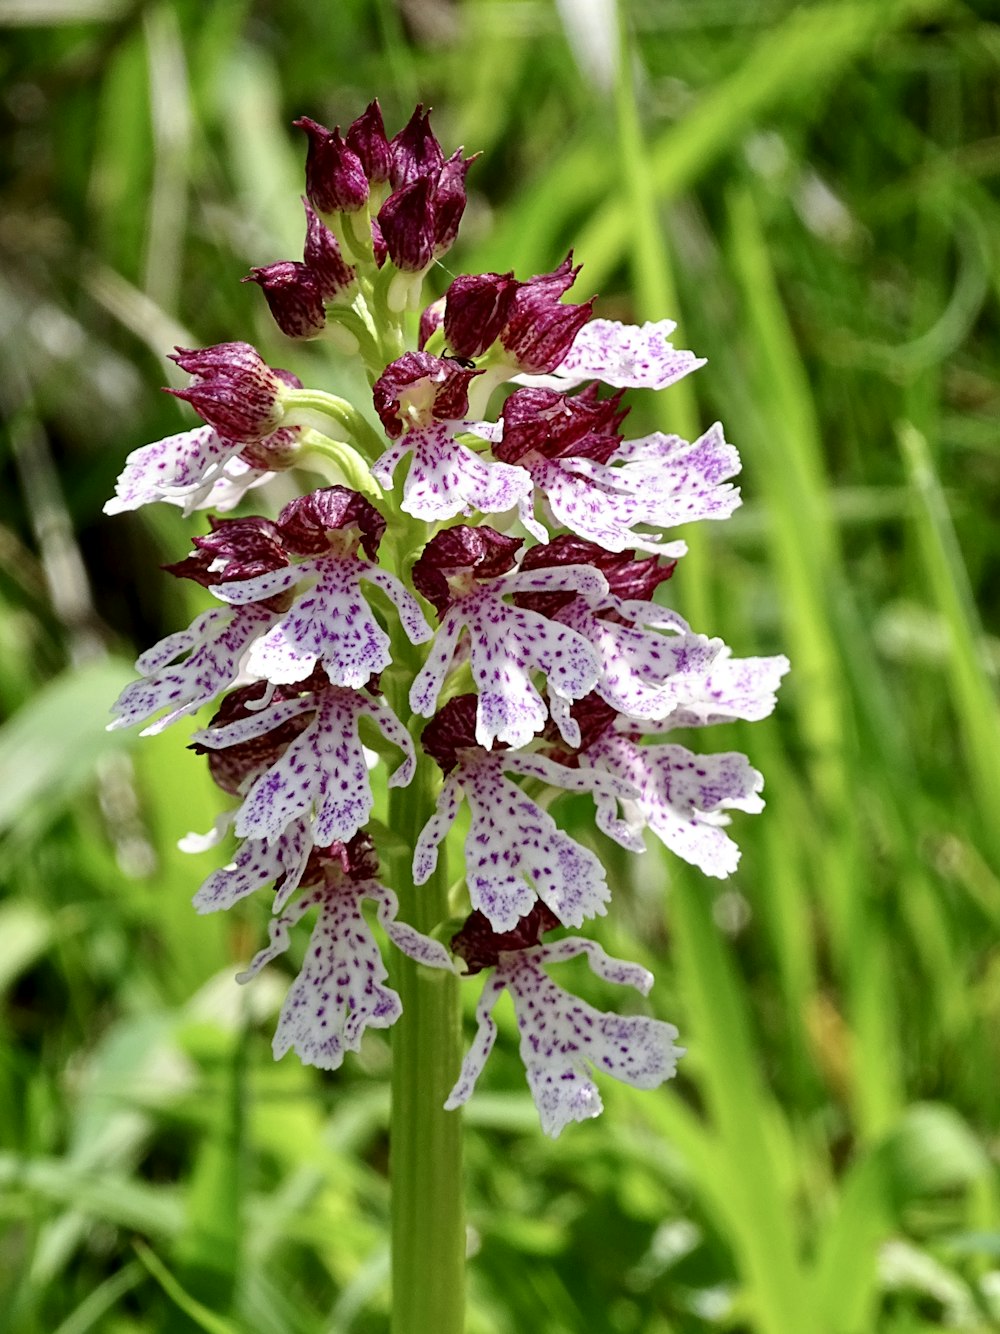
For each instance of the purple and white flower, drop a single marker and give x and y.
(322, 773)
(467, 573)
(514, 851)
(340, 991)
(563, 1039)
(682, 797)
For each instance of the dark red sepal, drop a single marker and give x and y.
(414, 151)
(366, 137)
(477, 308)
(481, 551)
(480, 946)
(306, 522)
(453, 728)
(294, 297)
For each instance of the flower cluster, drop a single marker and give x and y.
(502, 518)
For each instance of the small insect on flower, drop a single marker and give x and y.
(466, 363)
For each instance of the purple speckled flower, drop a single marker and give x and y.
(561, 668)
(331, 623)
(423, 400)
(514, 851)
(506, 644)
(683, 797)
(563, 1039)
(195, 470)
(339, 991)
(322, 773)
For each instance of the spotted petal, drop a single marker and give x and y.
(216, 643)
(258, 862)
(322, 772)
(447, 478)
(623, 355)
(683, 797)
(593, 508)
(181, 469)
(670, 480)
(730, 688)
(563, 1038)
(514, 851)
(339, 991)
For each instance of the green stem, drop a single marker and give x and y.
(425, 1164)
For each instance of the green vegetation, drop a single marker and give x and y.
(810, 189)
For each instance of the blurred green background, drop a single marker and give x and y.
(811, 190)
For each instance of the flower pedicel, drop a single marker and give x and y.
(537, 625)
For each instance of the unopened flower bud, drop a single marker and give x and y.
(294, 296)
(323, 258)
(415, 151)
(477, 308)
(366, 137)
(335, 177)
(233, 389)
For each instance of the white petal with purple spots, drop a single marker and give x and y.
(447, 478)
(593, 508)
(257, 862)
(428, 681)
(323, 770)
(643, 673)
(217, 644)
(636, 356)
(730, 688)
(563, 1038)
(670, 480)
(181, 469)
(514, 851)
(683, 797)
(339, 991)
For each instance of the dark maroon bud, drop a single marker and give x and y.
(306, 523)
(293, 296)
(461, 554)
(477, 307)
(233, 767)
(415, 151)
(406, 220)
(453, 728)
(366, 137)
(449, 201)
(559, 425)
(234, 549)
(418, 389)
(233, 389)
(335, 179)
(480, 946)
(431, 319)
(221, 360)
(541, 329)
(323, 258)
